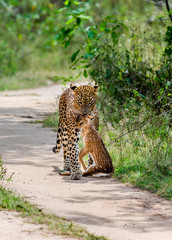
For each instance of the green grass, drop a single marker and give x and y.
(57, 225)
(36, 122)
(37, 68)
(51, 121)
(143, 163)
(141, 176)
(26, 80)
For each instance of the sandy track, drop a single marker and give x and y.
(13, 227)
(104, 206)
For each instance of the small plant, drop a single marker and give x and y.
(3, 170)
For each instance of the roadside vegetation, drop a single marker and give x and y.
(137, 158)
(126, 48)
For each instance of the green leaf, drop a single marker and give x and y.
(91, 34)
(63, 33)
(57, 36)
(107, 30)
(62, 9)
(74, 55)
(67, 2)
(85, 74)
(88, 56)
(109, 17)
(124, 26)
(67, 32)
(78, 21)
(103, 26)
(99, 35)
(76, 3)
(114, 37)
(67, 43)
(85, 17)
(142, 95)
(70, 20)
(77, 12)
(78, 75)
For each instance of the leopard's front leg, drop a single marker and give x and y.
(65, 150)
(73, 154)
(90, 160)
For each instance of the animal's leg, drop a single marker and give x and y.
(65, 150)
(95, 121)
(57, 148)
(82, 153)
(90, 170)
(90, 159)
(66, 158)
(73, 155)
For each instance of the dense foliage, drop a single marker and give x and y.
(124, 68)
(133, 68)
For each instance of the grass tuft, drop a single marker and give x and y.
(51, 121)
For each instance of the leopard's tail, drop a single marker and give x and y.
(58, 146)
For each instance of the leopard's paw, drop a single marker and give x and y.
(76, 175)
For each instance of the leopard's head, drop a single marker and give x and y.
(84, 98)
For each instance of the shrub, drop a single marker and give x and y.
(133, 69)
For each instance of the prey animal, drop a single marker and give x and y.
(95, 146)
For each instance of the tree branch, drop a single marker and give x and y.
(168, 9)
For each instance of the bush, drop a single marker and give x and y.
(123, 68)
(132, 66)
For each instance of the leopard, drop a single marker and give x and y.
(95, 146)
(75, 101)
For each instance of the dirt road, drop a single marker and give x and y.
(104, 206)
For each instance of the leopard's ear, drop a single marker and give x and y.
(73, 87)
(96, 88)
